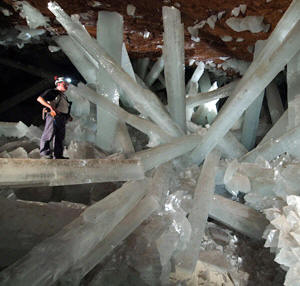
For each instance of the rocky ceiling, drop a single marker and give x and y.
(143, 30)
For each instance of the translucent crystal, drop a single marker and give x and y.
(18, 153)
(173, 54)
(155, 71)
(199, 213)
(32, 172)
(33, 17)
(274, 102)
(254, 24)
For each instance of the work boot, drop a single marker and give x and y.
(61, 157)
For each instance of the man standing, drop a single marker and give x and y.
(57, 114)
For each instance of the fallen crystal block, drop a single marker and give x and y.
(18, 153)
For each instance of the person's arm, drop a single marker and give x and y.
(42, 101)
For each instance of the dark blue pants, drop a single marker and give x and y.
(55, 129)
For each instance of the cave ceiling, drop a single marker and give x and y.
(143, 32)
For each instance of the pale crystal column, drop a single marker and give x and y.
(110, 37)
(238, 216)
(126, 66)
(78, 58)
(289, 142)
(293, 86)
(192, 88)
(49, 260)
(141, 67)
(274, 102)
(173, 54)
(154, 133)
(144, 100)
(280, 48)
(155, 71)
(31, 172)
(280, 127)
(158, 188)
(198, 216)
(251, 117)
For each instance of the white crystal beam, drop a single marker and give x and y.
(59, 252)
(293, 86)
(145, 126)
(155, 71)
(78, 57)
(158, 188)
(199, 213)
(251, 116)
(110, 37)
(280, 48)
(173, 54)
(144, 100)
(274, 102)
(289, 142)
(31, 172)
(239, 217)
(141, 212)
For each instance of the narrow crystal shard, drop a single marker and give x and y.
(144, 100)
(280, 48)
(55, 256)
(274, 102)
(203, 196)
(293, 85)
(110, 37)
(251, 117)
(173, 54)
(155, 71)
(31, 172)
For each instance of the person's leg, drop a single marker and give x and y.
(59, 136)
(47, 136)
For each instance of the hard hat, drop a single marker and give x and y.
(61, 79)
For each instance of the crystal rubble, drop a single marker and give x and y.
(283, 237)
(78, 58)
(186, 260)
(293, 72)
(173, 55)
(274, 102)
(155, 71)
(30, 172)
(27, 223)
(252, 114)
(155, 134)
(144, 100)
(83, 234)
(288, 142)
(153, 201)
(110, 37)
(280, 48)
